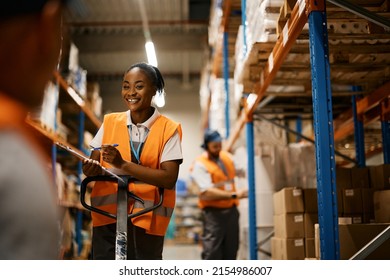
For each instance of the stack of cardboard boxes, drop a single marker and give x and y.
(354, 195)
(366, 209)
(364, 194)
(289, 231)
(363, 208)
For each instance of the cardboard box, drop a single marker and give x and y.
(380, 176)
(340, 206)
(352, 201)
(310, 219)
(351, 219)
(343, 178)
(288, 200)
(310, 247)
(310, 200)
(360, 177)
(353, 237)
(356, 236)
(382, 206)
(287, 248)
(368, 202)
(289, 225)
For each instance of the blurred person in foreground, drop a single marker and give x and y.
(214, 172)
(30, 42)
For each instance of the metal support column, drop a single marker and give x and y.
(54, 146)
(251, 191)
(79, 214)
(385, 126)
(226, 80)
(253, 246)
(359, 135)
(299, 129)
(323, 125)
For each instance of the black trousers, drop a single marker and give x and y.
(220, 237)
(140, 245)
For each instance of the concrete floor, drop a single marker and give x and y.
(181, 251)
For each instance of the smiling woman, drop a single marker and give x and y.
(149, 149)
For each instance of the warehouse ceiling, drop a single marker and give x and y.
(110, 35)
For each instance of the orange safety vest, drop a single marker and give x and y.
(103, 194)
(217, 175)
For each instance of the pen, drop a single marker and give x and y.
(99, 148)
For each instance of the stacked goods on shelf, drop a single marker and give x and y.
(380, 184)
(94, 99)
(260, 29)
(187, 222)
(364, 212)
(310, 219)
(218, 98)
(47, 113)
(299, 165)
(77, 76)
(289, 231)
(66, 116)
(262, 17)
(353, 189)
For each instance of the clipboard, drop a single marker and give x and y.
(82, 157)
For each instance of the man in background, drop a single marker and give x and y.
(30, 41)
(214, 173)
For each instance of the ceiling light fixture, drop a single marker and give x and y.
(149, 46)
(151, 53)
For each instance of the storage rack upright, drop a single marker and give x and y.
(370, 108)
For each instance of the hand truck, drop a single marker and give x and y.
(121, 216)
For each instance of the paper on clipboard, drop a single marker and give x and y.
(82, 157)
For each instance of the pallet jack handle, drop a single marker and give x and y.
(121, 187)
(121, 216)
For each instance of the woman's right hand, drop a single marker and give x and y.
(92, 168)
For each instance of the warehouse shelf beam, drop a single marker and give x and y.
(323, 128)
(364, 13)
(283, 45)
(344, 124)
(77, 98)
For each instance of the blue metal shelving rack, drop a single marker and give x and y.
(314, 12)
(323, 127)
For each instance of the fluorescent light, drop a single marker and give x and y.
(151, 53)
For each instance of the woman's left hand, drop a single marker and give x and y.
(112, 156)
